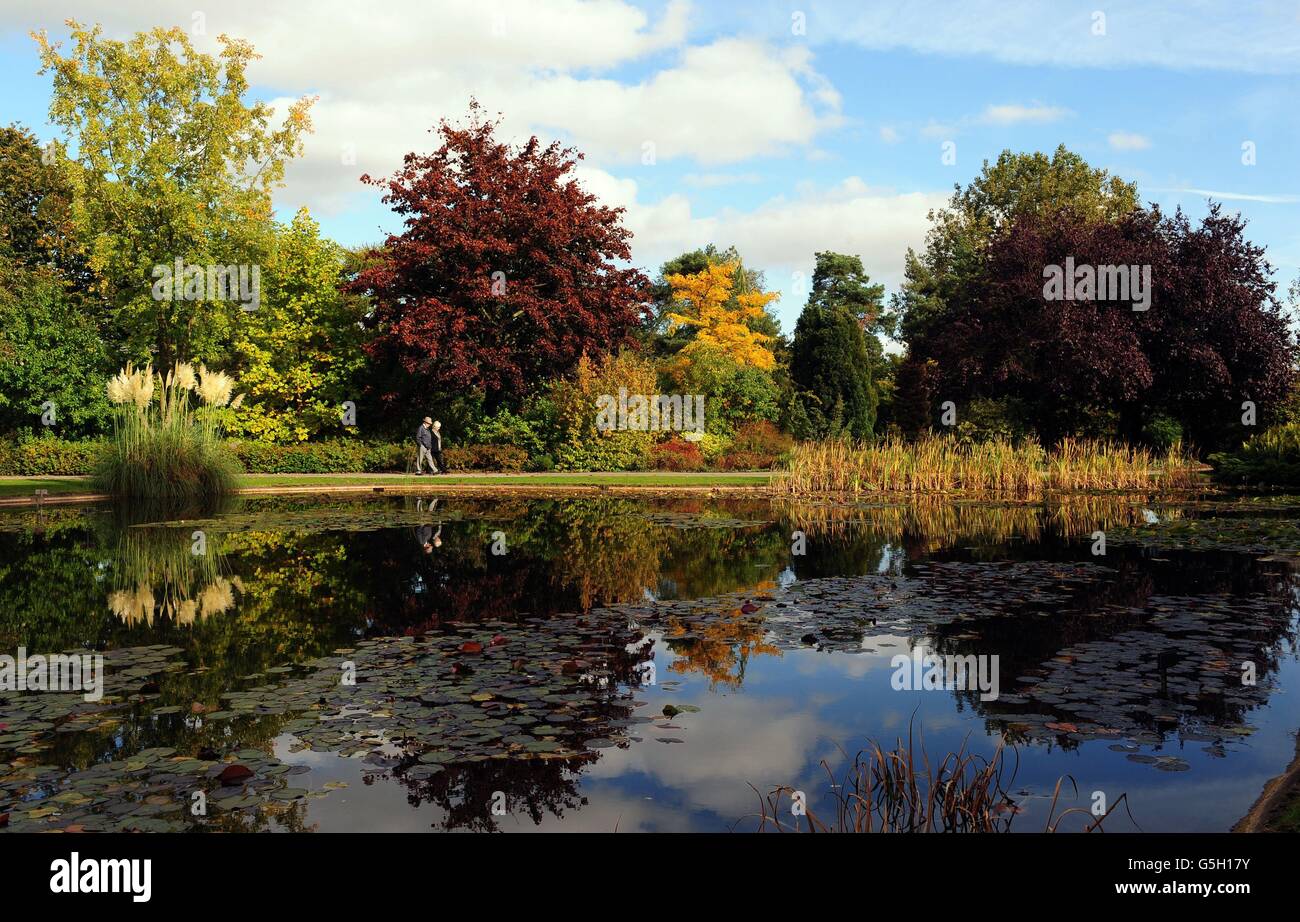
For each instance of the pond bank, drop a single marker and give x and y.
(61, 490)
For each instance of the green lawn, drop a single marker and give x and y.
(639, 479)
(26, 486)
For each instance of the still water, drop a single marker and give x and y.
(524, 664)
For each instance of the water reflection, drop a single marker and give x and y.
(593, 661)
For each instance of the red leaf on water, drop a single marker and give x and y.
(4, 819)
(471, 646)
(1062, 727)
(498, 640)
(233, 774)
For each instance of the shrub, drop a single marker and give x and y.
(712, 446)
(761, 436)
(505, 458)
(677, 455)
(986, 420)
(1271, 458)
(1162, 432)
(747, 461)
(583, 446)
(46, 455)
(757, 445)
(505, 428)
(619, 451)
(336, 456)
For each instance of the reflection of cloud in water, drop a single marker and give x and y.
(733, 741)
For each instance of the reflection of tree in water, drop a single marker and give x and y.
(1154, 653)
(535, 785)
(465, 793)
(718, 648)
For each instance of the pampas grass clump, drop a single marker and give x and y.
(167, 438)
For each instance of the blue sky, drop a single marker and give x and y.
(782, 128)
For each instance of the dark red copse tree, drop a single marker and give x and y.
(1211, 336)
(506, 272)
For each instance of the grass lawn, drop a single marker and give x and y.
(26, 486)
(640, 479)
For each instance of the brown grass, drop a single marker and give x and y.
(941, 464)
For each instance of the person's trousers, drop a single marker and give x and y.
(442, 466)
(419, 461)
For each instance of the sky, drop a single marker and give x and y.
(783, 128)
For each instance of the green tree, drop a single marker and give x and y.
(299, 354)
(956, 246)
(50, 352)
(833, 357)
(36, 229)
(51, 347)
(170, 163)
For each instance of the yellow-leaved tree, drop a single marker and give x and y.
(707, 300)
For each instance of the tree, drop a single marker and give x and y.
(171, 164)
(831, 363)
(36, 229)
(300, 352)
(50, 353)
(705, 302)
(1212, 335)
(957, 243)
(505, 275)
(667, 338)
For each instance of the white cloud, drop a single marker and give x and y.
(724, 102)
(386, 73)
(889, 134)
(1013, 114)
(782, 234)
(1124, 140)
(1230, 35)
(715, 180)
(1280, 198)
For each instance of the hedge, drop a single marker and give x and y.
(47, 455)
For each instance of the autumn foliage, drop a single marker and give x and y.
(706, 302)
(505, 274)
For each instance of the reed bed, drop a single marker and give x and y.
(943, 518)
(167, 441)
(901, 790)
(941, 464)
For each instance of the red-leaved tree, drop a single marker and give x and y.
(506, 272)
(1212, 337)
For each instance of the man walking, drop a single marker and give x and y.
(424, 439)
(437, 446)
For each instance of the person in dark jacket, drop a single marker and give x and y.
(424, 440)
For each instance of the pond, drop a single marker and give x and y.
(518, 663)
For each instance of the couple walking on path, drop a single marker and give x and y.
(429, 439)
